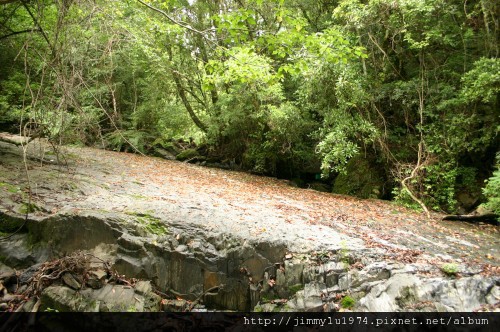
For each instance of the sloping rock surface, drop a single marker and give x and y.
(236, 241)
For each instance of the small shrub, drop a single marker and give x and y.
(450, 269)
(347, 302)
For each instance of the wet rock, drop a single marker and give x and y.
(5, 271)
(22, 289)
(293, 271)
(63, 299)
(374, 272)
(151, 302)
(159, 152)
(111, 298)
(174, 305)
(143, 287)
(344, 281)
(493, 296)
(97, 278)
(313, 296)
(256, 266)
(27, 274)
(297, 303)
(28, 306)
(267, 307)
(118, 298)
(255, 295)
(384, 297)
(181, 248)
(267, 284)
(188, 155)
(313, 274)
(464, 294)
(130, 266)
(10, 297)
(8, 278)
(18, 253)
(70, 281)
(74, 230)
(94, 283)
(234, 294)
(331, 279)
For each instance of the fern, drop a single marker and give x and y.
(128, 140)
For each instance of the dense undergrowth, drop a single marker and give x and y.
(403, 92)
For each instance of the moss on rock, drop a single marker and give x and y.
(187, 154)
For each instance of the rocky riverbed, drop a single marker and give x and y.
(110, 231)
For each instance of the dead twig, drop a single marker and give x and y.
(205, 293)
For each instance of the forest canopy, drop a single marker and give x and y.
(395, 99)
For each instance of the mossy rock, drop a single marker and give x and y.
(9, 223)
(187, 154)
(361, 179)
(295, 288)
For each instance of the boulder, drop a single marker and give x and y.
(70, 281)
(163, 153)
(386, 297)
(187, 155)
(110, 298)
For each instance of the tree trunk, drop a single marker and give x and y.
(182, 94)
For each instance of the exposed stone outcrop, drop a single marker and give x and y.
(245, 277)
(196, 247)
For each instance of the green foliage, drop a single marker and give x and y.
(450, 269)
(128, 140)
(347, 302)
(492, 190)
(439, 186)
(344, 129)
(402, 197)
(482, 82)
(12, 92)
(271, 85)
(152, 224)
(26, 208)
(361, 179)
(295, 288)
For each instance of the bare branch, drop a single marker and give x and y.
(40, 27)
(171, 19)
(20, 32)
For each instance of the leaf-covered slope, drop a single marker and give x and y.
(251, 207)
